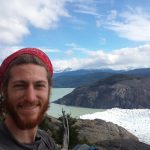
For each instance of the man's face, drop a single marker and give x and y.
(27, 95)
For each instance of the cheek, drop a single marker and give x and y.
(14, 96)
(45, 96)
(14, 93)
(46, 92)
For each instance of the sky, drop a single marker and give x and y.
(79, 34)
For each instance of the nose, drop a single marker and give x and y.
(30, 94)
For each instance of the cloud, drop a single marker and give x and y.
(7, 50)
(125, 58)
(132, 24)
(48, 50)
(75, 50)
(87, 10)
(16, 17)
(86, 7)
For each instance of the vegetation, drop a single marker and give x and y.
(57, 132)
(73, 131)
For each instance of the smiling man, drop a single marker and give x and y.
(25, 82)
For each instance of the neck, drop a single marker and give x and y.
(23, 136)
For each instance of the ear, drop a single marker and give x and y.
(2, 97)
(3, 93)
(2, 105)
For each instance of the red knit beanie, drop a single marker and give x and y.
(33, 51)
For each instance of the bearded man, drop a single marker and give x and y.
(25, 82)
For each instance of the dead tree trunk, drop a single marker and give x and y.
(66, 131)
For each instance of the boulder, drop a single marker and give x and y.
(99, 130)
(122, 144)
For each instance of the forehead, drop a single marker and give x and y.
(28, 72)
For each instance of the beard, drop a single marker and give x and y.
(27, 122)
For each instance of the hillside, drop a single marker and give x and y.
(73, 79)
(122, 91)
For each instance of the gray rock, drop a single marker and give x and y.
(99, 130)
(124, 144)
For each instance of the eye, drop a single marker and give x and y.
(19, 86)
(40, 85)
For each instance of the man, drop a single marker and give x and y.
(25, 82)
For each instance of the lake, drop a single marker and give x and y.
(55, 110)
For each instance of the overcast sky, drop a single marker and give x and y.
(79, 34)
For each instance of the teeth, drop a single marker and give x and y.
(28, 106)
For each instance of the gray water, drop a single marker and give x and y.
(55, 110)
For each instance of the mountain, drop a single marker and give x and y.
(85, 71)
(145, 72)
(122, 91)
(73, 79)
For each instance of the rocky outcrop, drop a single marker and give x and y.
(120, 91)
(98, 130)
(103, 135)
(115, 145)
(124, 144)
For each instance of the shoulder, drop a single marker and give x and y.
(6, 138)
(45, 137)
(3, 130)
(43, 134)
(1, 125)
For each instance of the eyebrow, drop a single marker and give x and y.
(25, 82)
(41, 81)
(19, 81)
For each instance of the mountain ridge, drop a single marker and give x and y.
(73, 79)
